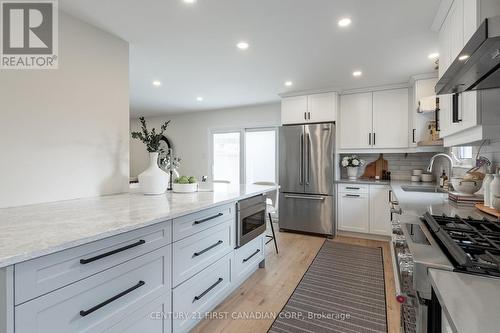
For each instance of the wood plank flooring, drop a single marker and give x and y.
(267, 290)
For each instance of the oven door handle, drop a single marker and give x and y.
(400, 296)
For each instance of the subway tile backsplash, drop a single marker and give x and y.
(400, 165)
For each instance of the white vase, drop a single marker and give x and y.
(352, 172)
(488, 178)
(153, 180)
(494, 188)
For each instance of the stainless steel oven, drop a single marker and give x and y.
(251, 219)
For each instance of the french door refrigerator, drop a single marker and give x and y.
(306, 175)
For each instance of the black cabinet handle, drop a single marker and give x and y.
(390, 196)
(250, 257)
(107, 254)
(414, 135)
(352, 188)
(208, 218)
(84, 313)
(374, 138)
(369, 139)
(352, 195)
(200, 296)
(455, 107)
(207, 249)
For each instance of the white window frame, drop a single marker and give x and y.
(461, 162)
(242, 131)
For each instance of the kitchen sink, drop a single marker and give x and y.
(420, 188)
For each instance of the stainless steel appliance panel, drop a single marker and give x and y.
(251, 219)
(291, 143)
(318, 158)
(309, 213)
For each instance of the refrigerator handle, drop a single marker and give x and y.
(301, 160)
(308, 157)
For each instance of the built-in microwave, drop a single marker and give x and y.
(251, 219)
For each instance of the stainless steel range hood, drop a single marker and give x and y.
(477, 67)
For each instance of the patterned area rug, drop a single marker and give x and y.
(342, 291)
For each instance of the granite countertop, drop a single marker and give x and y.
(470, 302)
(27, 232)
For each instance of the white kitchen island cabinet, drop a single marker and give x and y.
(135, 268)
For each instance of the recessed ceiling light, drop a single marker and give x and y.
(288, 83)
(463, 57)
(189, 1)
(199, 99)
(156, 83)
(344, 22)
(242, 45)
(434, 55)
(357, 73)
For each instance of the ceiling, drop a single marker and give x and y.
(191, 48)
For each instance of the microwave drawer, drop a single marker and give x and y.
(101, 301)
(39, 276)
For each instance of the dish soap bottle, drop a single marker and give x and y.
(443, 179)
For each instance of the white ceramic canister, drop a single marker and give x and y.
(488, 178)
(494, 188)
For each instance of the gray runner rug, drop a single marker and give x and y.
(342, 291)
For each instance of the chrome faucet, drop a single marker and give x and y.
(431, 163)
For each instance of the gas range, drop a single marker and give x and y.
(473, 246)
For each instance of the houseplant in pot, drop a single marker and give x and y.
(352, 164)
(153, 180)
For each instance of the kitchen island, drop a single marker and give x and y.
(124, 262)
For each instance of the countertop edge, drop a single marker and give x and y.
(13, 260)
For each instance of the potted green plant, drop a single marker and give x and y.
(153, 180)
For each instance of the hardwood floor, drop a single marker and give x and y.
(267, 290)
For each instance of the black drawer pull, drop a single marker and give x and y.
(104, 255)
(200, 296)
(352, 195)
(256, 251)
(207, 249)
(351, 188)
(208, 218)
(84, 313)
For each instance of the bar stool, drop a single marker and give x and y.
(271, 204)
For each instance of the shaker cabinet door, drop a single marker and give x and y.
(390, 119)
(355, 121)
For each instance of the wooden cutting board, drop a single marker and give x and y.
(488, 210)
(375, 168)
(380, 164)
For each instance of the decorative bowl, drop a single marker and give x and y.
(427, 177)
(184, 188)
(466, 187)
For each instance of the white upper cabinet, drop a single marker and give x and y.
(322, 107)
(476, 117)
(374, 120)
(314, 108)
(390, 119)
(294, 110)
(355, 121)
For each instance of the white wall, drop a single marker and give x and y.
(190, 132)
(64, 133)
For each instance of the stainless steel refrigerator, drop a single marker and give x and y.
(306, 201)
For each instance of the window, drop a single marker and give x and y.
(226, 156)
(260, 156)
(463, 156)
(244, 155)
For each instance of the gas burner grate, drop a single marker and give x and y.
(474, 245)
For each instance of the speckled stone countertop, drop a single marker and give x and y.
(27, 232)
(470, 302)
